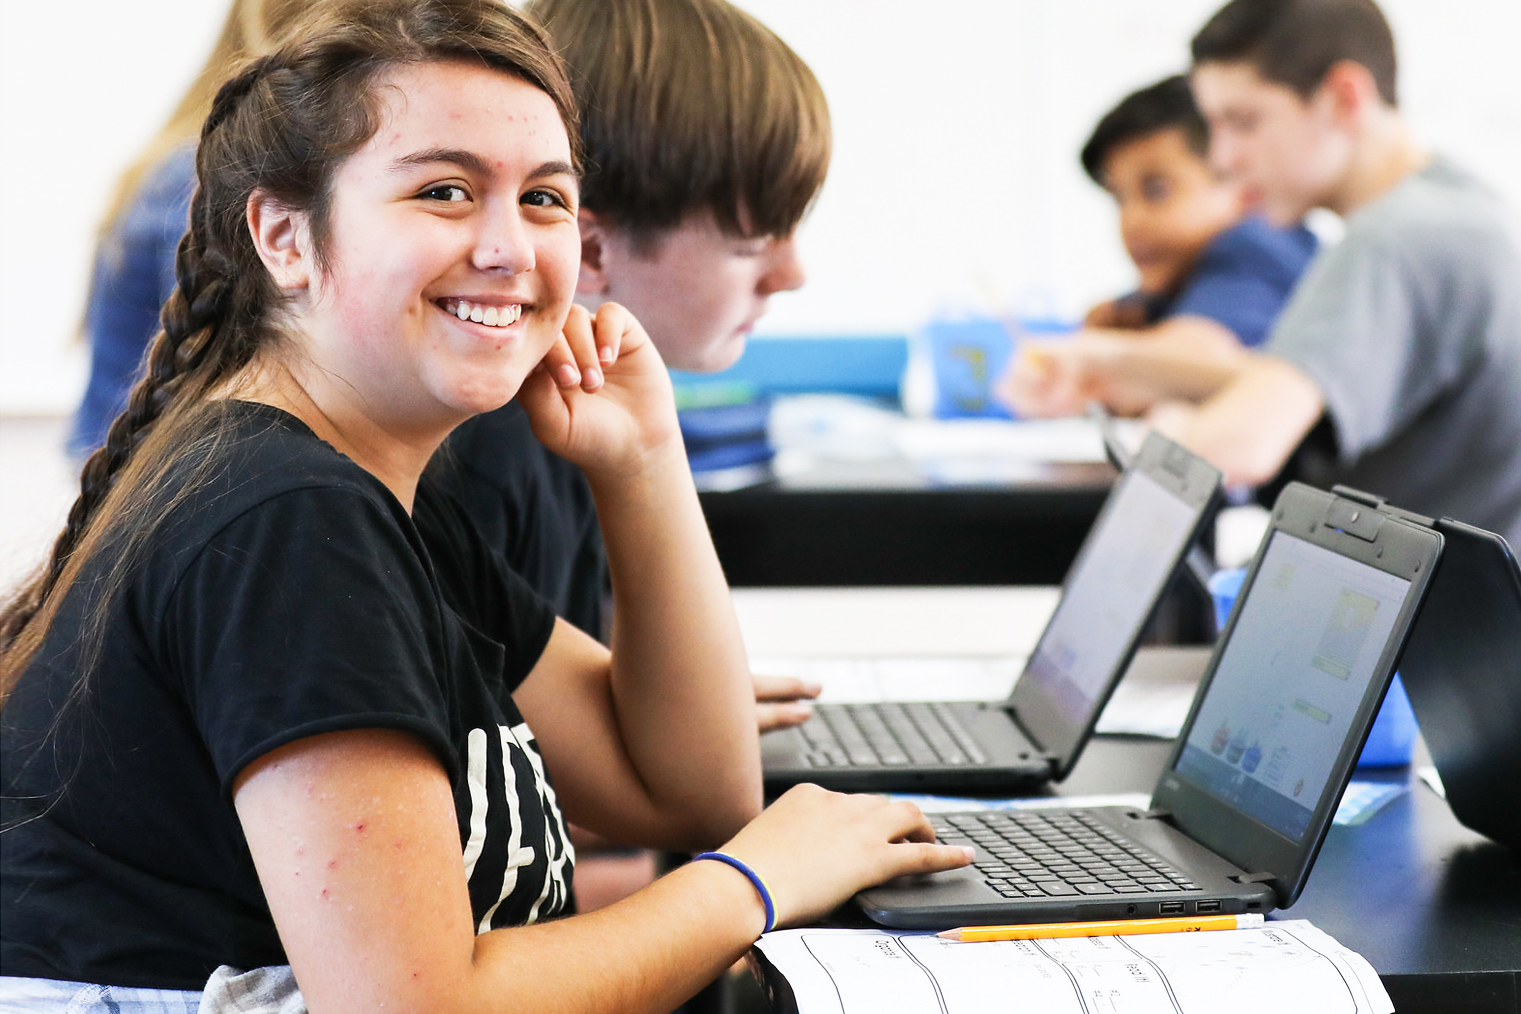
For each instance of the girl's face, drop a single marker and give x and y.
(453, 248)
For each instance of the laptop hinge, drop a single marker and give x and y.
(1260, 877)
(1161, 813)
(1358, 496)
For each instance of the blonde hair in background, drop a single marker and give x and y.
(252, 29)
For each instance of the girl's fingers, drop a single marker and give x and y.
(612, 322)
(581, 363)
(560, 363)
(922, 858)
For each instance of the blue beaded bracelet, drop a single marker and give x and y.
(754, 878)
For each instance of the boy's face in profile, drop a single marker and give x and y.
(1285, 151)
(697, 290)
(1171, 205)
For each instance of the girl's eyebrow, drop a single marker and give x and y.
(555, 168)
(466, 160)
(473, 163)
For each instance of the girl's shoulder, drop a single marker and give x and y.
(251, 474)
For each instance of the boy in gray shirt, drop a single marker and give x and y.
(1406, 337)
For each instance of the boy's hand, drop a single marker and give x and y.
(782, 702)
(1045, 379)
(601, 396)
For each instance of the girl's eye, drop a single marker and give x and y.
(450, 192)
(544, 199)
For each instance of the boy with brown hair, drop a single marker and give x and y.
(1212, 278)
(1403, 341)
(706, 140)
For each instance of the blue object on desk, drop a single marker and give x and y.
(1391, 741)
(726, 436)
(871, 366)
(968, 355)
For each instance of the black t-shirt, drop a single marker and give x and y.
(534, 507)
(290, 595)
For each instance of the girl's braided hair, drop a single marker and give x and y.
(280, 128)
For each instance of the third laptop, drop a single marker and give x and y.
(1151, 518)
(1240, 811)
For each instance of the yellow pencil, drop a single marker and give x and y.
(1117, 927)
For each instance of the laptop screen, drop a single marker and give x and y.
(1110, 593)
(1288, 685)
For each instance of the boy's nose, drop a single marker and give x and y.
(785, 270)
(1224, 153)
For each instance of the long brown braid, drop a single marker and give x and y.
(280, 128)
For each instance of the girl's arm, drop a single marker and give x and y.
(356, 844)
(656, 744)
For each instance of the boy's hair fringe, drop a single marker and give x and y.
(690, 105)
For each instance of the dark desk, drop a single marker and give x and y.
(891, 523)
(1432, 906)
(1435, 908)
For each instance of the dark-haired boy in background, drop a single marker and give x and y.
(1212, 278)
(1403, 342)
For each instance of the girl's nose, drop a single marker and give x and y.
(503, 244)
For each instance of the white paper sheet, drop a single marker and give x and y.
(1283, 966)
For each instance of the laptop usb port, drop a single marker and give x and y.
(1171, 908)
(1208, 906)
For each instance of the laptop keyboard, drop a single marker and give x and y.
(1035, 854)
(890, 735)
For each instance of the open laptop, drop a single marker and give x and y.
(1462, 670)
(1153, 515)
(1245, 800)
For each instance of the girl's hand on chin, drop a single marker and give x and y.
(601, 396)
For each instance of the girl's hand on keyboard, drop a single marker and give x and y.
(816, 848)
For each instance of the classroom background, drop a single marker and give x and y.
(954, 186)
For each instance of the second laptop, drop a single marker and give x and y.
(1151, 518)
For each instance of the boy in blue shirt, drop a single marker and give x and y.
(1212, 277)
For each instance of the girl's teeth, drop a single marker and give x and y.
(491, 316)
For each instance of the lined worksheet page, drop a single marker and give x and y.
(1283, 966)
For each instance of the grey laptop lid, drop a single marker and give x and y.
(1299, 674)
(1159, 505)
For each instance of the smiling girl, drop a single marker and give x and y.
(272, 701)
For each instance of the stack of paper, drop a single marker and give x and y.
(1283, 966)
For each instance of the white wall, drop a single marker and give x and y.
(956, 127)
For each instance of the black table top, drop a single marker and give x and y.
(1434, 907)
(890, 522)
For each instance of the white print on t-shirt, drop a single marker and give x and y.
(517, 741)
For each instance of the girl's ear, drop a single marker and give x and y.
(282, 240)
(593, 279)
